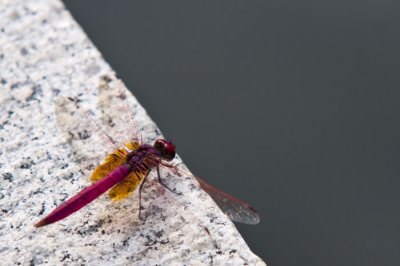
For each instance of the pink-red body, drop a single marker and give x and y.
(86, 196)
(141, 160)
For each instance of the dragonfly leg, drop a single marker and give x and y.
(140, 198)
(159, 179)
(173, 167)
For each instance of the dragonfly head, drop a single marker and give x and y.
(165, 148)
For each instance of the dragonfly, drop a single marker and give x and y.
(127, 167)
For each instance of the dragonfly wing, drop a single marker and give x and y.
(121, 115)
(117, 112)
(87, 140)
(112, 161)
(236, 209)
(126, 187)
(79, 124)
(89, 137)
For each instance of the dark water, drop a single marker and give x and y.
(290, 105)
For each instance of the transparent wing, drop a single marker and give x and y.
(89, 132)
(122, 116)
(88, 141)
(236, 209)
(118, 115)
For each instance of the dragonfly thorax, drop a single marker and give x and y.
(147, 156)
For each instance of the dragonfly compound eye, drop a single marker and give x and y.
(165, 148)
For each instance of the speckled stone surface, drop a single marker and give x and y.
(44, 58)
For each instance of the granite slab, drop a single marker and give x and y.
(47, 65)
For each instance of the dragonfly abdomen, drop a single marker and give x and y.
(87, 195)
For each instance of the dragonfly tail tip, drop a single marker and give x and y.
(41, 223)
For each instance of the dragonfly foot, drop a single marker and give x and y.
(141, 218)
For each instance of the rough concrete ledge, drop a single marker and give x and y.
(44, 57)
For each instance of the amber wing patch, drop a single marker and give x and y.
(125, 187)
(112, 161)
(132, 145)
